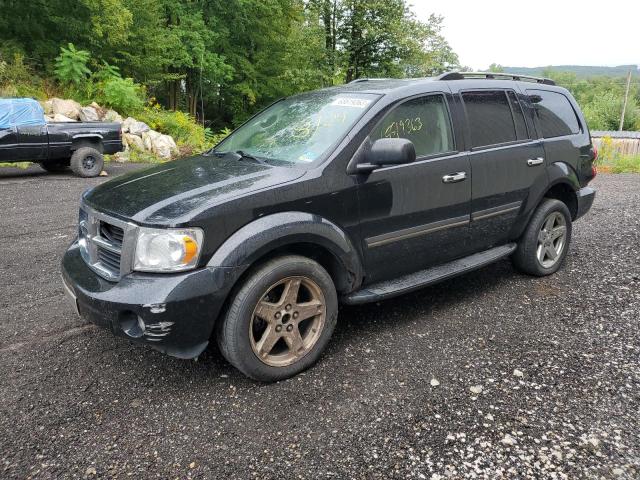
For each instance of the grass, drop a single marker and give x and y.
(21, 165)
(619, 164)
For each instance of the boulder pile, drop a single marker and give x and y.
(136, 135)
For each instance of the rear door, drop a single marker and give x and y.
(506, 162)
(565, 139)
(416, 215)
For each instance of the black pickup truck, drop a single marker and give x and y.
(25, 136)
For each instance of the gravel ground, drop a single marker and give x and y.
(491, 375)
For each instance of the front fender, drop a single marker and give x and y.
(265, 234)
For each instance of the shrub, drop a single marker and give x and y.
(106, 72)
(122, 94)
(610, 159)
(181, 126)
(215, 138)
(71, 65)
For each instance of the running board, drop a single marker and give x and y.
(423, 278)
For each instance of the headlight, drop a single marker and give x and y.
(167, 250)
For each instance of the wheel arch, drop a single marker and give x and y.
(298, 233)
(87, 140)
(561, 183)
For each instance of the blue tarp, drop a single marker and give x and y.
(15, 112)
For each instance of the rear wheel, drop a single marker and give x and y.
(87, 162)
(57, 166)
(544, 244)
(280, 320)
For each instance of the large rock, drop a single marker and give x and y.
(122, 157)
(164, 147)
(131, 125)
(148, 139)
(112, 116)
(89, 114)
(48, 107)
(96, 106)
(133, 141)
(58, 117)
(68, 108)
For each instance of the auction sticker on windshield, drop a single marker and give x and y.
(351, 102)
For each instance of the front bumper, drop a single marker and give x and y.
(585, 197)
(172, 313)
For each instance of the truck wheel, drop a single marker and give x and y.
(57, 166)
(544, 244)
(280, 319)
(87, 162)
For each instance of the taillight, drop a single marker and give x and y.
(594, 171)
(595, 153)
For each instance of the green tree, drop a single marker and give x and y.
(381, 38)
(71, 65)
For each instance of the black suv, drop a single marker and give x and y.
(355, 193)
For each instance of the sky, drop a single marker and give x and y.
(539, 33)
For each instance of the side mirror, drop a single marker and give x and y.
(388, 151)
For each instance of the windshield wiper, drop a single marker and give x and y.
(245, 156)
(238, 155)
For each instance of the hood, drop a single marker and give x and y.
(174, 192)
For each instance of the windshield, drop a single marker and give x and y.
(299, 129)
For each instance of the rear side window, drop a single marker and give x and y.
(424, 121)
(555, 114)
(490, 118)
(518, 116)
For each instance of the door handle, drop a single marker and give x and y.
(532, 162)
(454, 177)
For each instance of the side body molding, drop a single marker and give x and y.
(265, 234)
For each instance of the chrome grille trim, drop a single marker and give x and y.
(105, 255)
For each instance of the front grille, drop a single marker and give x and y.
(110, 260)
(111, 233)
(103, 245)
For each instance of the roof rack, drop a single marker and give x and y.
(364, 79)
(493, 76)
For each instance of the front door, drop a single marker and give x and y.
(506, 161)
(416, 215)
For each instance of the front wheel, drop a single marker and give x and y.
(87, 162)
(545, 242)
(280, 320)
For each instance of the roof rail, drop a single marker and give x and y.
(493, 76)
(364, 79)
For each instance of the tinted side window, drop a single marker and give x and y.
(518, 116)
(424, 121)
(490, 119)
(556, 114)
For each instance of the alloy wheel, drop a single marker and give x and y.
(552, 240)
(287, 321)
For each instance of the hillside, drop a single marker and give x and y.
(581, 71)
